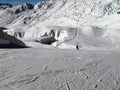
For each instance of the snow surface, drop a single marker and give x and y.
(74, 45)
(55, 69)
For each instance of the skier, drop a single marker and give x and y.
(77, 47)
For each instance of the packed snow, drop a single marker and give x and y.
(73, 45)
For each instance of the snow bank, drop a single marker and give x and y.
(67, 37)
(7, 41)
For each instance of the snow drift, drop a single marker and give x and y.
(7, 41)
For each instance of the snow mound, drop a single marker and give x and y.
(69, 37)
(7, 41)
(87, 37)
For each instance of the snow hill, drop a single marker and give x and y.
(7, 41)
(64, 23)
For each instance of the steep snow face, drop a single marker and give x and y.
(79, 12)
(61, 12)
(58, 12)
(89, 37)
(7, 41)
(11, 14)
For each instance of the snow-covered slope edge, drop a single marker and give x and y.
(7, 41)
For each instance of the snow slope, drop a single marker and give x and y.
(76, 12)
(87, 33)
(55, 69)
(7, 41)
(58, 12)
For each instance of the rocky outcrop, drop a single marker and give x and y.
(19, 8)
(5, 6)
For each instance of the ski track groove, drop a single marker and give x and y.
(95, 76)
(67, 84)
(91, 81)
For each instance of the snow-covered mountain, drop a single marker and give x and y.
(36, 22)
(58, 12)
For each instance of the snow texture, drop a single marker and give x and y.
(74, 45)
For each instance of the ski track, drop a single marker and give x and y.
(45, 73)
(95, 66)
